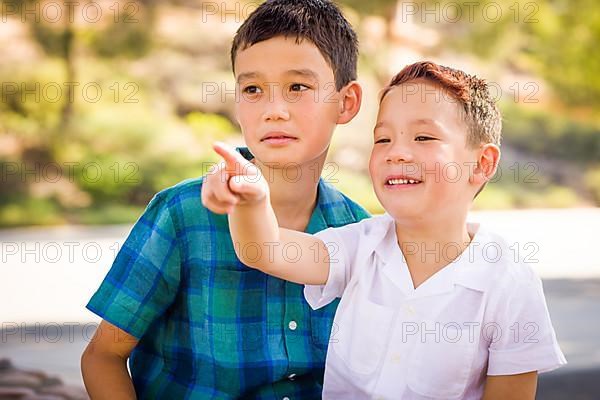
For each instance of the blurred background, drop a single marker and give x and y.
(105, 103)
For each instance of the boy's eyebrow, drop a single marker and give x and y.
(428, 121)
(305, 72)
(424, 121)
(419, 121)
(247, 75)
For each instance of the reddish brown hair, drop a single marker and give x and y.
(480, 113)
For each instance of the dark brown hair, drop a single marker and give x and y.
(319, 21)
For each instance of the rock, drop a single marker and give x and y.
(19, 378)
(66, 392)
(5, 364)
(17, 384)
(15, 392)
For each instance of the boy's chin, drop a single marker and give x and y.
(400, 209)
(288, 157)
(402, 212)
(280, 158)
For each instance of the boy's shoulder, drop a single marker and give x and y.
(181, 190)
(182, 205)
(340, 209)
(501, 262)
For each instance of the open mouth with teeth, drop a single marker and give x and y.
(399, 181)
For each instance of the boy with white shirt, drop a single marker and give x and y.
(432, 306)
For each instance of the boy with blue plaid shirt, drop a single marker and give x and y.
(194, 321)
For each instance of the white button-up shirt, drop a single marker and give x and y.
(483, 314)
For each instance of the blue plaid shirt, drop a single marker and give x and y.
(208, 326)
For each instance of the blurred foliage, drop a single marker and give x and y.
(553, 38)
(210, 127)
(519, 187)
(543, 133)
(24, 210)
(129, 36)
(121, 40)
(379, 7)
(592, 181)
(150, 127)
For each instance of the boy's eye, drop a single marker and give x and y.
(422, 138)
(382, 140)
(252, 89)
(298, 87)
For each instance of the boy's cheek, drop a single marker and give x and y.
(308, 103)
(376, 162)
(247, 119)
(325, 94)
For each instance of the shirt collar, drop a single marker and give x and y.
(245, 152)
(474, 267)
(468, 270)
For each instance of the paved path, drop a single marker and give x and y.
(48, 274)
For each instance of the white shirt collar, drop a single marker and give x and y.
(469, 270)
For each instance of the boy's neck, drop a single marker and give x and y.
(293, 192)
(428, 248)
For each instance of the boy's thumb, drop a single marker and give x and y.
(247, 186)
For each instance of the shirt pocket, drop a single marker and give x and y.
(441, 364)
(362, 331)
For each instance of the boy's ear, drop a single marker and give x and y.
(487, 163)
(349, 102)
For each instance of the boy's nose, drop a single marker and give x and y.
(276, 108)
(274, 113)
(398, 156)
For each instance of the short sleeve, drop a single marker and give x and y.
(524, 339)
(341, 244)
(144, 277)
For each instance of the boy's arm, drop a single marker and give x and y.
(511, 387)
(258, 240)
(104, 363)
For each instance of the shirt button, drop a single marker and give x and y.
(291, 377)
(286, 398)
(293, 325)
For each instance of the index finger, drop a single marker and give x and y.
(232, 158)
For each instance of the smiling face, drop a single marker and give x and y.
(287, 103)
(420, 165)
